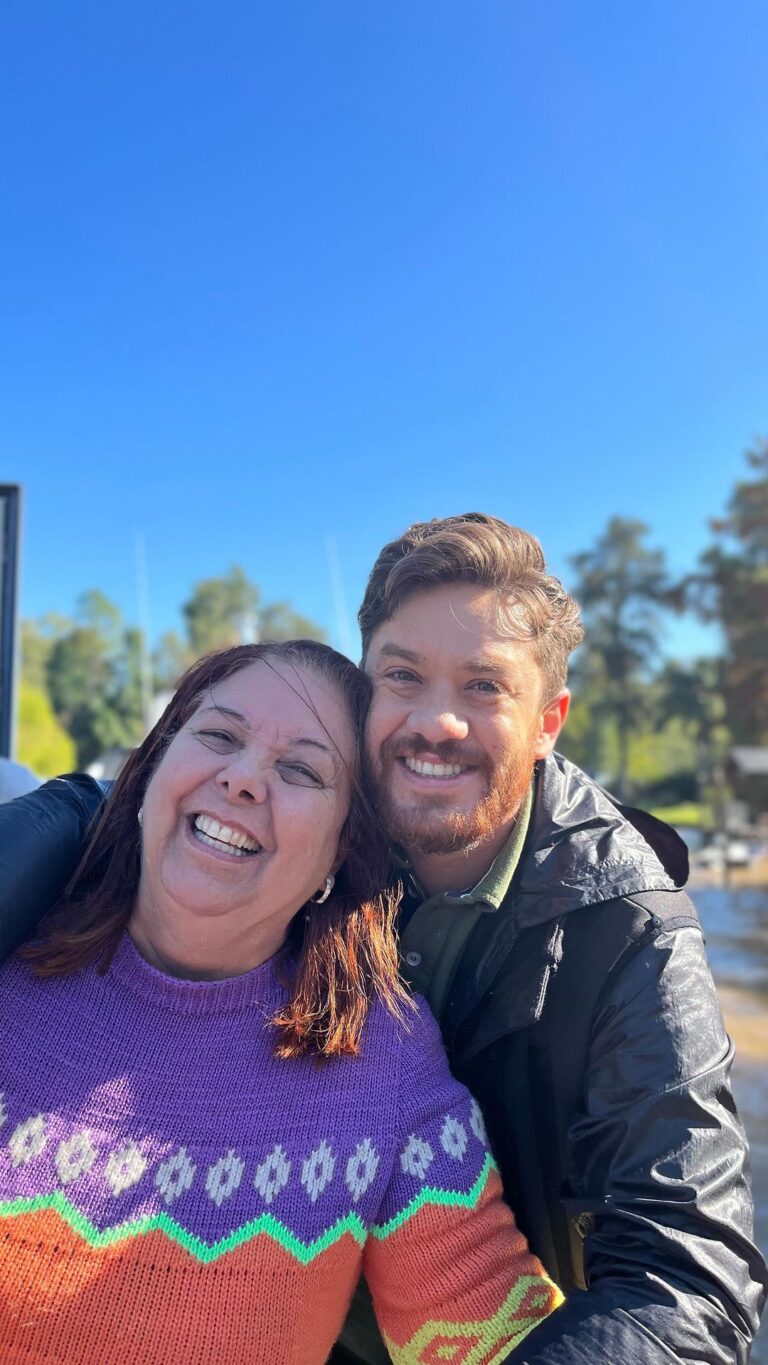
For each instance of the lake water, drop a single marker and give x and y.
(735, 922)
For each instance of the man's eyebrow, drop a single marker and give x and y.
(238, 716)
(481, 665)
(393, 651)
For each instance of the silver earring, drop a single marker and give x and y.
(321, 897)
(140, 816)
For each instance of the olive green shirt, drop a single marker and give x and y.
(433, 938)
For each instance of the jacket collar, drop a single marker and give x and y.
(582, 848)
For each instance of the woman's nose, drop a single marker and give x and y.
(243, 782)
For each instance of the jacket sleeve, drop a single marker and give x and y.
(41, 839)
(659, 1170)
(444, 1261)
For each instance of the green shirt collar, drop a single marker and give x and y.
(490, 891)
(434, 935)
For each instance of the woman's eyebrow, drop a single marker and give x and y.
(312, 743)
(238, 716)
(226, 711)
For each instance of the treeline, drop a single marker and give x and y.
(86, 680)
(655, 729)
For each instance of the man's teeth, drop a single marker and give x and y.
(433, 769)
(209, 831)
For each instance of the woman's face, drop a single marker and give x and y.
(243, 815)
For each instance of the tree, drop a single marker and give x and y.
(221, 612)
(170, 659)
(93, 679)
(278, 621)
(622, 587)
(731, 588)
(43, 743)
(228, 611)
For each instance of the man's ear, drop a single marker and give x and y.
(551, 722)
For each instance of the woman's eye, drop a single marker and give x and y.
(299, 775)
(215, 736)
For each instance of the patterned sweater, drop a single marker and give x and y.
(172, 1192)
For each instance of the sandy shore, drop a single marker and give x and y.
(746, 1018)
(754, 875)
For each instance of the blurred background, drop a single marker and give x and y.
(279, 280)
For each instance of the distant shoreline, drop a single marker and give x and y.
(746, 1019)
(754, 875)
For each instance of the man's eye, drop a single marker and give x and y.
(486, 687)
(401, 675)
(299, 775)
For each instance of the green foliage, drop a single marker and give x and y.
(622, 587)
(278, 621)
(89, 668)
(92, 677)
(228, 611)
(731, 587)
(171, 658)
(221, 612)
(690, 813)
(42, 742)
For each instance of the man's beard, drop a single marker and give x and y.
(429, 827)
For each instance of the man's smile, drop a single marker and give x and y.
(436, 769)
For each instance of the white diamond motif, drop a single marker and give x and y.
(27, 1140)
(453, 1138)
(317, 1170)
(125, 1167)
(175, 1175)
(224, 1177)
(477, 1125)
(272, 1174)
(416, 1157)
(75, 1157)
(361, 1168)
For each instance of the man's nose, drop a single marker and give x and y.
(437, 722)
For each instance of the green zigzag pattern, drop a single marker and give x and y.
(304, 1252)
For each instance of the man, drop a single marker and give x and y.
(565, 965)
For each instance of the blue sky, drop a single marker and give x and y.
(278, 273)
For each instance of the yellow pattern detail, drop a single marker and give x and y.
(487, 1342)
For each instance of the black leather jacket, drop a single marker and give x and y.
(651, 1159)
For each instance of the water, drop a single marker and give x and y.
(735, 922)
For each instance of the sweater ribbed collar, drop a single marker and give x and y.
(255, 989)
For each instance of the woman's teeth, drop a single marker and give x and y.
(433, 769)
(209, 831)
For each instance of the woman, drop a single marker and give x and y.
(218, 1104)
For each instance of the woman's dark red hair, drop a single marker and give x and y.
(338, 956)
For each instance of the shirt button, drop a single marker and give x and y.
(413, 959)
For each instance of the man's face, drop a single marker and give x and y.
(457, 721)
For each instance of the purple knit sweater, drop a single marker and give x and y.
(169, 1190)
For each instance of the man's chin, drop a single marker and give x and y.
(452, 833)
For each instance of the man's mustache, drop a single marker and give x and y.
(447, 751)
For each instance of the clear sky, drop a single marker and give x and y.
(273, 273)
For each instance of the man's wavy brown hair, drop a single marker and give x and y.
(338, 956)
(489, 553)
